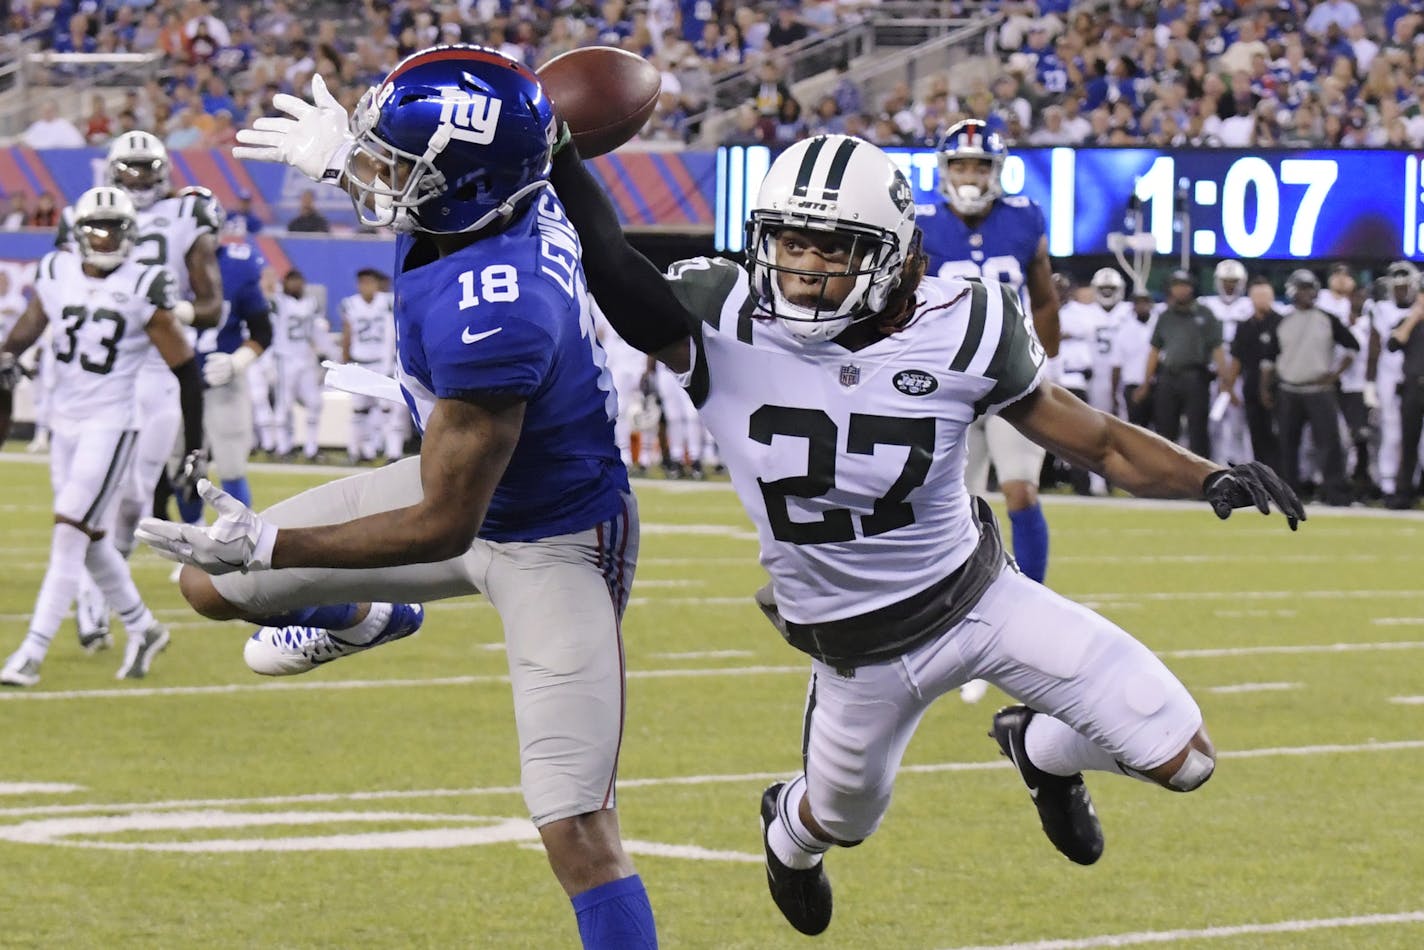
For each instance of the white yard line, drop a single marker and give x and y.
(319, 798)
(1408, 700)
(1397, 621)
(38, 788)
(1209, 933)
(1295, 650)
(1253, 688)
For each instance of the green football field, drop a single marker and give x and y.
(374, 803)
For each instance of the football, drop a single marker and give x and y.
(604, 94)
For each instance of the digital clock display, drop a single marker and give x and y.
(1277, 204)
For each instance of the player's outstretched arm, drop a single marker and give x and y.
(468, 444)
(1143, 462)
(633, 294)
(206, 280)
(313, 137)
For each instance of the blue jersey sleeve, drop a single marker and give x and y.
(502, 348)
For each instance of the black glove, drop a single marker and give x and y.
(1243, 486)
(10, 372)
(185, 480)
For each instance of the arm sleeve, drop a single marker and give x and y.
(253, 309)
(190, 398)
(632, 292)
(1342, 333)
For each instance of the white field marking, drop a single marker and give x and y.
(491, 647)
(1397, 621)
(1109, 596)
(38, 788)
(1253, 688)
(282, 686)
(1215, 558)
(1289, 650)
(458, 832)
(705, 655)
(675, 781)
(494, 679)
(1408, 700)
(749, 560)
(686, 851)
(717, 530)
(1237, 614)
(643, 584)
(1209, 933)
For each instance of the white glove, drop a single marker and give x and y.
(314, 139)
(220, 368)
(183, 310)
(1371, 395)
(238, 541)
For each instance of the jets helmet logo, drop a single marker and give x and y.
(471, 117)
(900, 192)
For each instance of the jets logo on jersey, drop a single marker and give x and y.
(472, 119)
(914, 382)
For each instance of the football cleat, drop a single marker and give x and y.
(93, 641)
(802, 895)
(287, 651)
(1065, 809)
(20, 670)
(140, 651)
(91, 615)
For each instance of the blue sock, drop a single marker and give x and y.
(237, 488)
(190, 511)
(1030, 530)
(616, 916)
(332, 617)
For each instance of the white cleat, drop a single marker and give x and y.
(20, 670)
(973, 691)
(287, 651)
(141, 650)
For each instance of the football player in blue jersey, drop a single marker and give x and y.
(978, 231)
(518, 491)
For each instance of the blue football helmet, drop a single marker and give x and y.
(971, 139)
(454, 138)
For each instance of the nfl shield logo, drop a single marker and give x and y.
(850, 375)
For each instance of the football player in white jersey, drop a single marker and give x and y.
(636, 429)
(1230, 436)
(839, 384)
(1402, 281)
(298, 331)
(368, 338)
(109, 312)
(179, 232)
(1088, 318)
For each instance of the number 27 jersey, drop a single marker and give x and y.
(852, 463)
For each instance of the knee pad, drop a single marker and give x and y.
(1194, 772)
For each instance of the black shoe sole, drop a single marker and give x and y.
(794, 891)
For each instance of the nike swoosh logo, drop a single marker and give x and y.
(468, 337)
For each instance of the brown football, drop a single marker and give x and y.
(604, 94)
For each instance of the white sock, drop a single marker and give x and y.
(368, 629)
(1059, 749)
(791, 841)
(58, 589)
(111, 572)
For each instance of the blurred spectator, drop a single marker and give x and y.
(19, 214)
(52, 131)
(771, 91)
(308, 217)
(790, 127)
(46, 213)
(1341, 14)
(788, 27)
(748, 129)
(98, 127)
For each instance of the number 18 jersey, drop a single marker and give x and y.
(999, 247)
(99, 334)
(852, 463)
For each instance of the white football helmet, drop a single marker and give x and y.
(105, 221)
(1233, 272)
(1108, 287)
(138, 163)
(1402, 278)
(832, 184)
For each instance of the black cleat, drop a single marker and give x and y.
(1065, 809)
(802, 896)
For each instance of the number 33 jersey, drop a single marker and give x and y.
(99, 335)
(852, 463)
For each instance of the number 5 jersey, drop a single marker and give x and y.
(98, 333)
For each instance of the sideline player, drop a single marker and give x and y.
(180, 233)
(518, 491)
(1230, 435)
(368, 339)
(829, 347)
(298, 337)
(109, 311)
